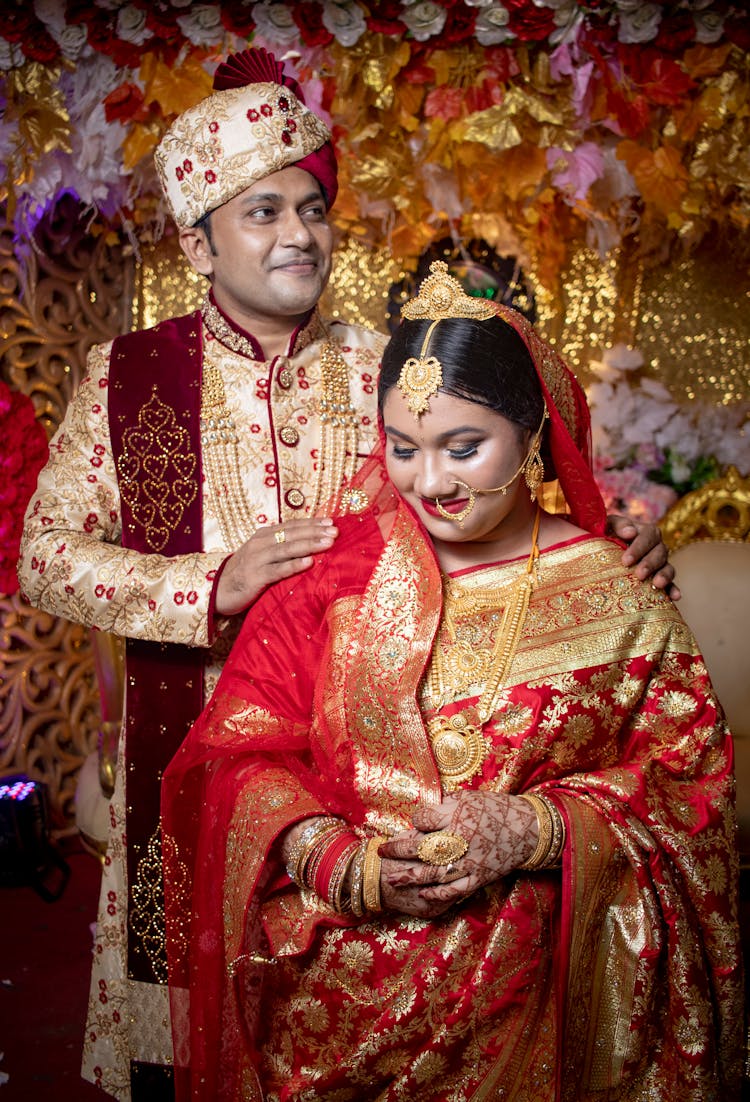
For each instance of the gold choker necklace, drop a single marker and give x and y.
(458, 743)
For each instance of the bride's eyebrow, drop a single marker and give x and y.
(458, 431)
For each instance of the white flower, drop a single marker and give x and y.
(346, 22)
(275, 22)
(131, 25)
(52, 14)
(639, 25)
(424, 19)
(202, 25)
(709, 26)
(491, 28)
(568, 18)
(478, 3)
(73, 41)
(47, 180)
(88, 85)
(622, 357)
(11, 55)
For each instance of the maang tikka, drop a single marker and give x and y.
(440, 297)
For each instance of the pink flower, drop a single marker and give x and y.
(574, 172)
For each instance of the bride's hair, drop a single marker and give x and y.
(482, 361)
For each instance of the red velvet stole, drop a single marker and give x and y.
(154, 420)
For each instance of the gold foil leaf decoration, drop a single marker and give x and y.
(494, 128)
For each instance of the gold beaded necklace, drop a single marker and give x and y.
(458, 743)
(338, 432)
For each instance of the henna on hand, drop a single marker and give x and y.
(501, 832)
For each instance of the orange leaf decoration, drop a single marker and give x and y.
(174, 89)
(139, 143)
(661, 176)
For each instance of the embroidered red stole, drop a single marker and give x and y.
(154, 420)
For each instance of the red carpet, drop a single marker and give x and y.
(45, 958)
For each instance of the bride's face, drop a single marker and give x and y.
(456, 441)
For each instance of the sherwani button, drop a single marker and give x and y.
(285, 378)
(295, 499)
(289, 435)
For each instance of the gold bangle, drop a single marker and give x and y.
(371, 884)
(356, 881)
(338, 880)
(546, 832)
(559, 834)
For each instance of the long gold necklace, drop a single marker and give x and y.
(458, 743)
(338, 450)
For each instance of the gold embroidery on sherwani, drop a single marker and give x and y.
(394, 767)
(146, 916)
(153, 448)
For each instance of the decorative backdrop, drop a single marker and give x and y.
(602, 147)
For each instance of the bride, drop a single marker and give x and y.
(458, 820)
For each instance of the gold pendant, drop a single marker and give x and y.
(459, 748)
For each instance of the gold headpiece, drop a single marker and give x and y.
(440, 297)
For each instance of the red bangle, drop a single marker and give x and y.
(327, 864)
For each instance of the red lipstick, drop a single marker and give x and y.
(455, 505)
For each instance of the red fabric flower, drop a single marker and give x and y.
(529, 23)
(486, 95)
(419, 74)
(444, 103)
(125, 104)
(659, 78)
(501, 63)
(384, 18)
(676, 31)
(237, 18)
(16, 24)
(309, 19)
(23, 453)
(40, 45)
(459, 26)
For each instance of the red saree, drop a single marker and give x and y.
(618, 977)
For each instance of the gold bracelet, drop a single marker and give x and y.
(356, 881)
(554, 857)
(546, 832)
(371, 884)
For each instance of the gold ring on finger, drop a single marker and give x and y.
(441, 847)
(279, 535)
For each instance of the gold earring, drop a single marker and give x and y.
(533, 470)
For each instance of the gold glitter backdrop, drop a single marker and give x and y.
(690, 319)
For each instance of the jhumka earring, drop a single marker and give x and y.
(440, 297)
(533, 470)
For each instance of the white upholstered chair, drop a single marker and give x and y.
(708, 533)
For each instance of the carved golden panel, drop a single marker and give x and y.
(58, 297)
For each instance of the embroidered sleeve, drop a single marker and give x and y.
(72, 564)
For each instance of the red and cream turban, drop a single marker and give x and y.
(253, 124)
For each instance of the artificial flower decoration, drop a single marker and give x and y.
(586, 119)
(650, 449)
